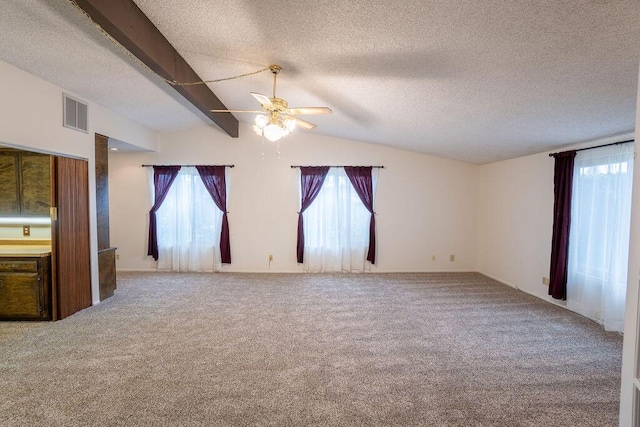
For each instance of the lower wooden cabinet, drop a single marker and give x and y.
(107, 272)
(25, 288)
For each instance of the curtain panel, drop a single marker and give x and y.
(362, 181)
(599, 238)
(189, 224)
(311, 180)
(336, 228)
(163, 177)
(562, 190)
(214, 181)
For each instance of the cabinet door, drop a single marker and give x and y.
(20, 296)
(36, 189)
(8, 185)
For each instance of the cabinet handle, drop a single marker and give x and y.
(1, 284)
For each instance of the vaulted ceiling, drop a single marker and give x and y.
(473, 80)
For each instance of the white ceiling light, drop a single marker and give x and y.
(274, 127)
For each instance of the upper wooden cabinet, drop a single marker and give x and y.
(25, 183)
(35, 184)
(9, 199)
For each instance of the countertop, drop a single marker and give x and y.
(9, 248)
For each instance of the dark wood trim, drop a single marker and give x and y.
(102, 190)
(106, 254)
(53, 166)
(127, 24)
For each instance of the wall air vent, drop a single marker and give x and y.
(74, 113)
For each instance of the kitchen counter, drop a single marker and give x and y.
(24, 248)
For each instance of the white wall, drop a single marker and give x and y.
(31, 118)
(14, 232)
(425, 205)
(515, 219)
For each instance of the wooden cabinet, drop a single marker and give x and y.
(35, 186)
(25, 183)
(25, 288)
(107, 272)
(55, 282)
(9, 201)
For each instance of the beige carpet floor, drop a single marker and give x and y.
(183, 349)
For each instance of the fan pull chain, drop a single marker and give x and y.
(175, 83)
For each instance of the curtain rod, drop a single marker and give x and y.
(591, 148)
(342, 166)
(187, 166)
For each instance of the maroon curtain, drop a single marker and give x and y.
(214, 180)
(163, 177)
(311, 180)
(562, 189)
(362, 181)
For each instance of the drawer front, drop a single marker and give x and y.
(18, 265)
(20, 296)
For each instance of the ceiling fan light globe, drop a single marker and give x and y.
(273, 132)
(290, 124)
(261, 120)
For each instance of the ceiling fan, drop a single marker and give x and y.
(279, 118)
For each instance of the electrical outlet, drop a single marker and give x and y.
(452, 258)
(545, 281)
(117, 257)
(26, 230)
(433, 257)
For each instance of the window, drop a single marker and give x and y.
(336, 227)
(188, 226)
(599, 234)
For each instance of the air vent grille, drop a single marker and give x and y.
(75, 114)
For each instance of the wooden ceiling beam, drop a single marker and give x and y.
(127, 24)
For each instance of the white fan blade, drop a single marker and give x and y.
(310, 110)
(263, 100)
(303, 123)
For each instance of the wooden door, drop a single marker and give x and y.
(70, 237)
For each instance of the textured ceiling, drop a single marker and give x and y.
(473, 80)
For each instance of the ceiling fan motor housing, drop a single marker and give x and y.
(277, 104)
